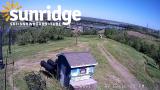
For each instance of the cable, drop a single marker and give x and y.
(12, 70)
(6, 70)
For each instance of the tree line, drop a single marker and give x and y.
(33, 35)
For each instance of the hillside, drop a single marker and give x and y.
(134, 61)
(105, 74)
(144, 36)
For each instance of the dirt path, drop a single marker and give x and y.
(130, 80)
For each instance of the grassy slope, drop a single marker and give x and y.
(148, 38)
(28, 51)
(102, 71)
(134, 61)
(126, 55)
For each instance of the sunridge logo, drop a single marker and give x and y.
(13, 13)
(9, 6)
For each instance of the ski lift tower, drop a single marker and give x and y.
(1, 44)
(1, 55)
(2, 23)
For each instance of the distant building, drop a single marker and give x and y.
(76, 70)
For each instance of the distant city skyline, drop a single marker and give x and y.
(138, 12)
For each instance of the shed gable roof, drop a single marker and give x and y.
(79, 59)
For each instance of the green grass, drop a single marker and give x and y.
(153, 72)
(1, 78)
(19, 80)
(134, 61)
(2, 81)
(128, 56)
(26, 51)
(51, 83)
(103, 69)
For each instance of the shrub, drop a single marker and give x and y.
(35, 81)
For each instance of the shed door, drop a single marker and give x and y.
(62, 74)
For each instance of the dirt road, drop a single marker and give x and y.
(130, 80)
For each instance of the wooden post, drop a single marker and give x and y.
(76, 34)
(76, 38)
(6, 72)
(1, 54)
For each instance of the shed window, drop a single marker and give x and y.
(83, 71)
(74, 72)
(91, 70)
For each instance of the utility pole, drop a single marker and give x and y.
(1, 44)
(76, 38)
(9, 41)
(1, 54)
(6, 73)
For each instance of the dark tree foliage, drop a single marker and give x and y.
(89, 32)
(139, 44)
(35, 81)
(42, 36)
(33, 35)
(145, 30)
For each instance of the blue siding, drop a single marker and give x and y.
(76, 73)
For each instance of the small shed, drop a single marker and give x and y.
(76, 70)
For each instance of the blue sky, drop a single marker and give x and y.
(139, 12)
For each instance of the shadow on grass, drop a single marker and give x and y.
(47, 74)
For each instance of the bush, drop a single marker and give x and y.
(41, 35)
(35, 81)
(24, 38)
(89, 32)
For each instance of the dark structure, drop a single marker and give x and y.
(74, 70)
(1, 55)
(50, 66)
(47, 66)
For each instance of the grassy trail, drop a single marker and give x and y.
(130, 80)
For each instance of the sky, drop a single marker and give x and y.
(139, 12)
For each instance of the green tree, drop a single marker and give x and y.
(42, 37)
